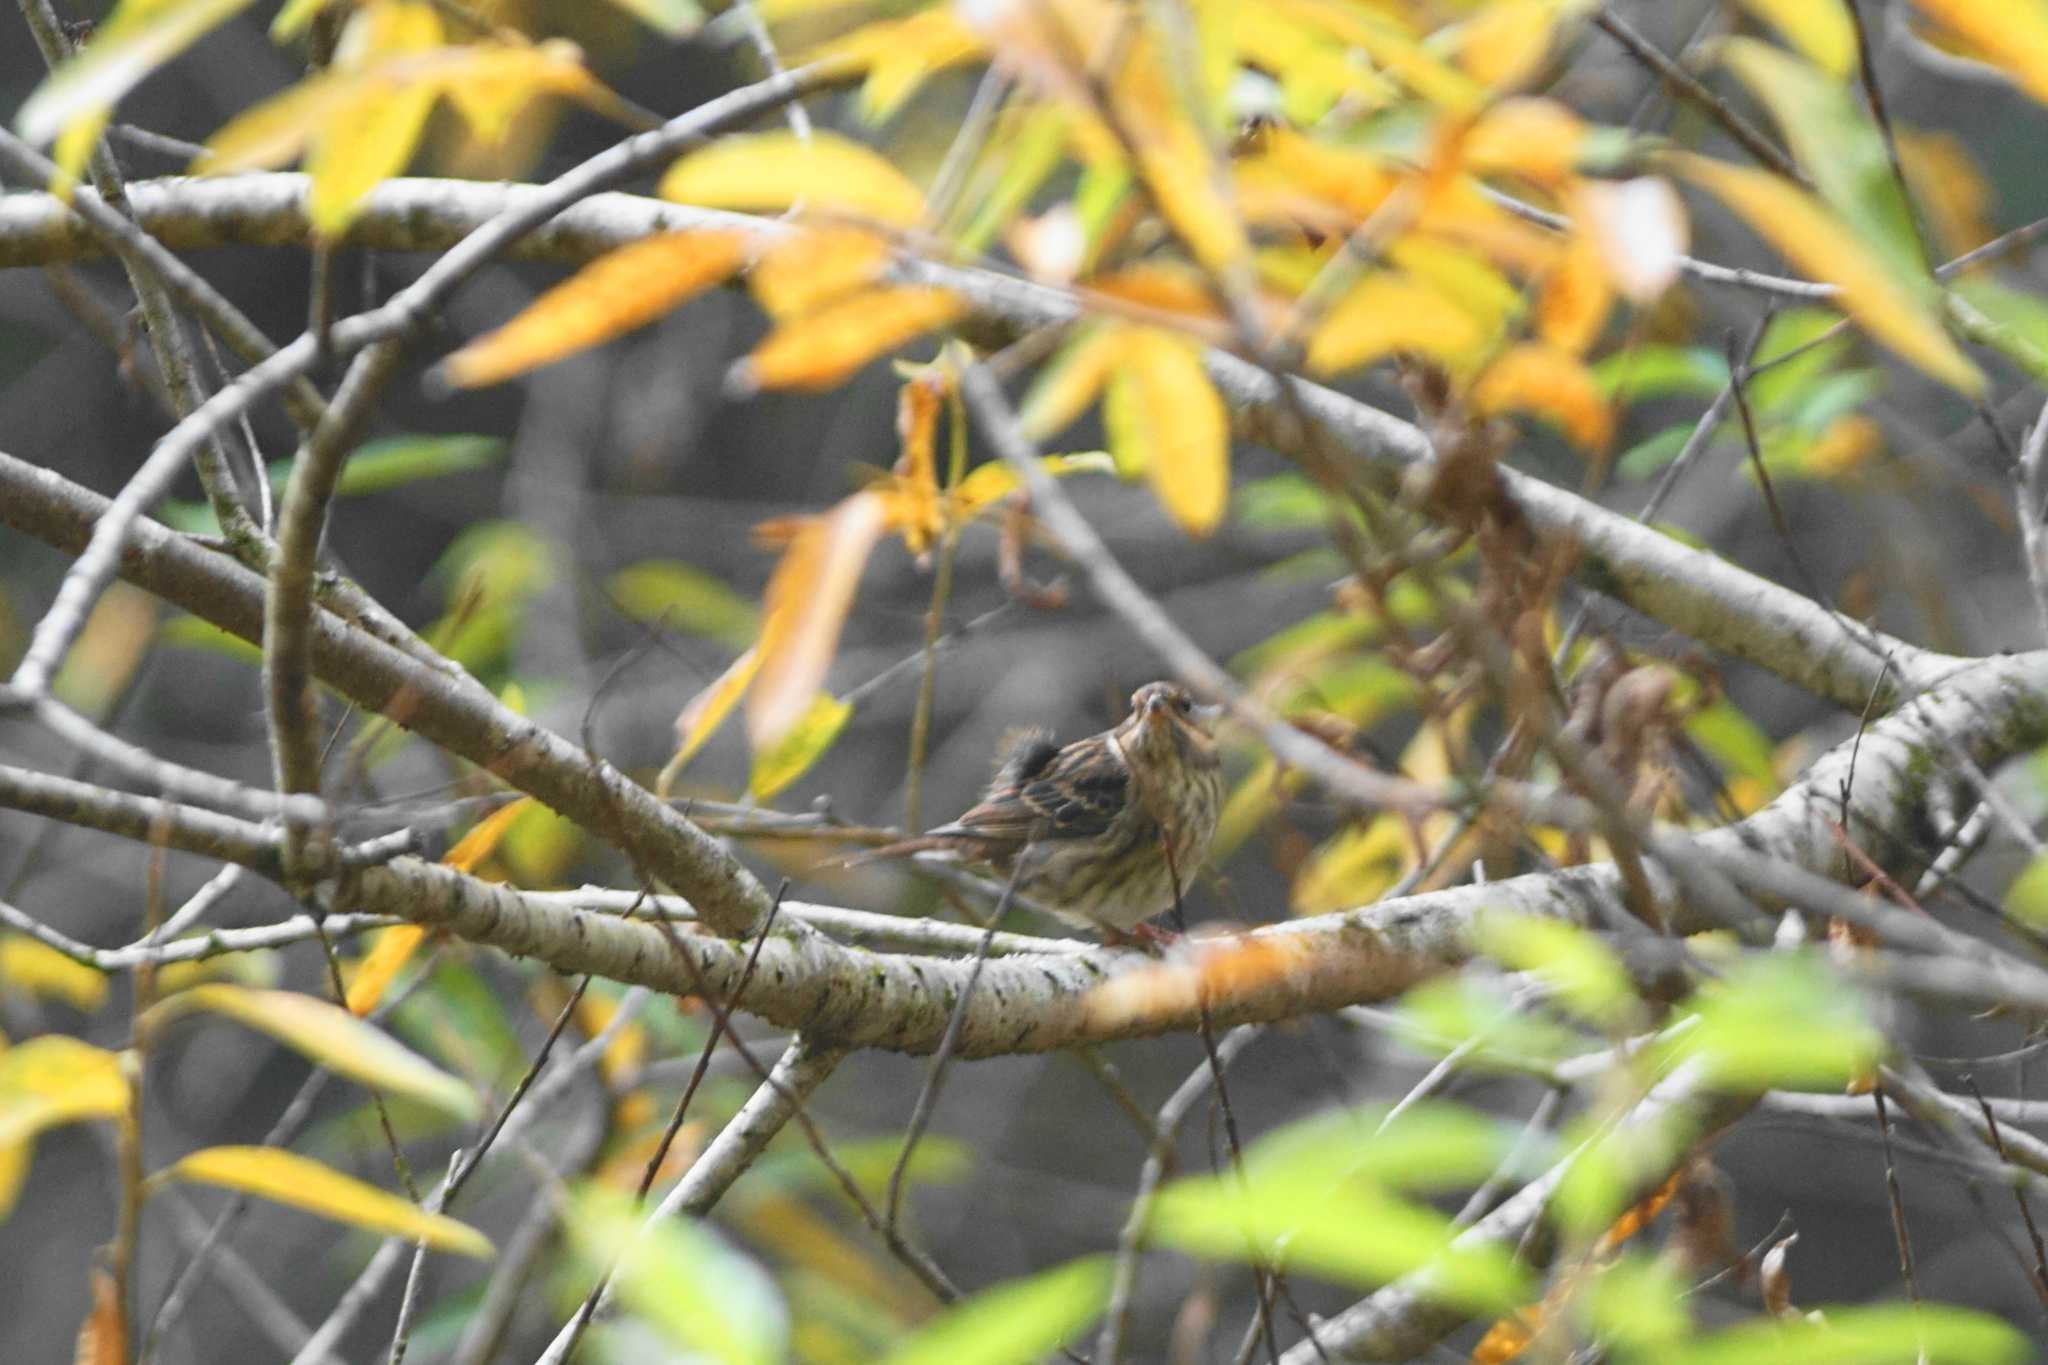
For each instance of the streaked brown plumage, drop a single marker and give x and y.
(1087, 818)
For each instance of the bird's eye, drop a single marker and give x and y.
(1183, 704)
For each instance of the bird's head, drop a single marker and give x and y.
(1167, 711)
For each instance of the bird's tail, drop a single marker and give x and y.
(902, 848)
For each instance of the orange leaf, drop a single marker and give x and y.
(813, 266)
(1576, 298)
(615, 293)
(1509, 1336)
(825, 173)
(1894, 311)
(1639, 1216)
(1185, 432)
(2010, 34)
(808, 598)
(381, 965)
(1552, 384)
(103, 1336)
(1387, 313)
(914, 510)
(705, 712)
(1162, 286)
(817, 351)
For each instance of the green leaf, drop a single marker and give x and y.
(669, 18)
(1655, 371)
(377, 466)
(803, 744)
(1734, 741)
(1012, 1324)
(2026, 900)
(1452, 1012)
(1024, 160)
(1780, 1021)
(1281, 502)
(2013, 322)
(1430, 1146)
(939, 1160)
(1586, 975)
(138, 37)
(683, 1280)
(1779, 381)
(1840, 150)
(1350, 1231)
(327, 1034)
(1651, 454)
(303, 1183)
(1863, 1335)
(460, 1019)
(190, 632)
(1639, 1304)
(671, 593)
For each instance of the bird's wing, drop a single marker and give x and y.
(1074, 794)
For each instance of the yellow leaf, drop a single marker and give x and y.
(620, 290)
(13, 1172)
(826, 174)
(327, 1034)
(899, 55)
(1393, 47)
(492, 82)
(1066, 385)
(1290, 172)
(1894, 311)
(820, 349)
(1536, 138)
(488, 82)
(42, 970)
(803, 744)
(362, 143)
(990, 483)
(1388, 313)
(1506, 42)
(371, 136)
(808, 598)
(706, 711)
(813, 266)
(1191, 193)
(393, 948)
(1354, 866)
(1552, 384)
(1186, 430)
(52, 1080)
(138, 37)
(303, 1183)
(1821, 29)
(483, 839)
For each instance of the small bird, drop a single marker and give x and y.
(1106, 832)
